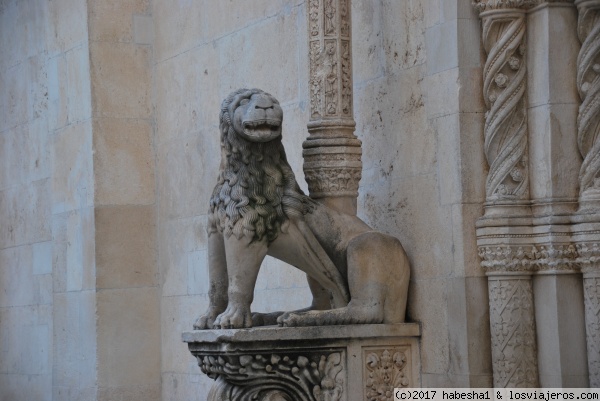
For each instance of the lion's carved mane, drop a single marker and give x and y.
(256, 190)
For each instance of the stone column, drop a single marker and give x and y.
(589, 259)
(588, 84)
(514, 347)
(588, 121)
(504, 87)
(554, 160)
(503, 230)
(332, 153)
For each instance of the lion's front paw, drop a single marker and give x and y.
(206, 321)
(234, 317)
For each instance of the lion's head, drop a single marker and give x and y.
(255, 115)
(257, 190)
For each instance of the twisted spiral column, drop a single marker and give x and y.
(588, 84)
(512, 315)
(588, 140)
(504, 89)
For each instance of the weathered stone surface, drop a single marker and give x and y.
(125, 253)
(122, 162)
(313, 363)
(124, 363)
(356, 275)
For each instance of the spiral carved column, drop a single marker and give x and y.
(588, 84)
(332, 153)
(504, 94)
(588, 139)
(512, 315)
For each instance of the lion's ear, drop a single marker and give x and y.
(285, 226)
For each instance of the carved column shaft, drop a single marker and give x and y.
(591, 293)
(512, 315)
(332, 154)
(514, 347)
(504, 94)
(588, 84)
(588, 140)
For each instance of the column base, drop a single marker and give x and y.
(350, 363)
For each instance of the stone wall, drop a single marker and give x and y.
(79, 306)
(109, 150)
(46, 194)
(419, 114)
(128, 309)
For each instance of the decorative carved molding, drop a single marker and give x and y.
(488, 5)
(325, 182)
(385, 369)
(588, 255)
(308, 377)
(346, 79)
(316, 81)
(504, 94)
(330, 58)
(588, 84)
(331, 77)
(591, 291)
(514, 346)
(313, 17)
(529, 258)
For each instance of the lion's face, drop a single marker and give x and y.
(256, 117)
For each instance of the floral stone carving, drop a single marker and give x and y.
(334, 363)
(309, 377)
(513, 332)
(385, 370)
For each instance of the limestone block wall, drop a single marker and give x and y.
(79, 298)
(128, 309)
(419, 114)
(46, 190)
(425, 105)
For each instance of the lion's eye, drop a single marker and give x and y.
(244, 101)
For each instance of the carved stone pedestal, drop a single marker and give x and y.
(333, 363)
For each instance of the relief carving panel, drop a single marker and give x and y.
(514, 346)
(264, 376)
(385, 369)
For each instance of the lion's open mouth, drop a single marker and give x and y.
(262, 130)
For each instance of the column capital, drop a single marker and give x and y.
(491, 5)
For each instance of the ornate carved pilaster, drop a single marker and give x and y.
(588, 140)
(589, 260)
(588, 84)
(514, 347)
(504, 94)
(503, 234)
(591, 293)
(332, 154)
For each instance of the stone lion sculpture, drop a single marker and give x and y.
(356, 275)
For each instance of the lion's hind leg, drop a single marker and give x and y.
(378, 275)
